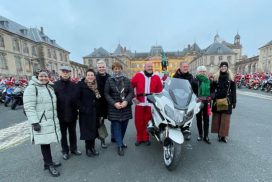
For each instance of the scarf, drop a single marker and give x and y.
(204, 88)
(93, 87)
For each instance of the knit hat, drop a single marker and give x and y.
(224, 64)
(201, 68)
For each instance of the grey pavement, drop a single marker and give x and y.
(246, 157)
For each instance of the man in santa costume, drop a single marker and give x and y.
(145, 83)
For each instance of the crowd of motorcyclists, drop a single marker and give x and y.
(257, 81)
(12, 90)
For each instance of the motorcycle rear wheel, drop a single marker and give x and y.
(171, 154)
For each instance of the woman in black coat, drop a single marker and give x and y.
(225, 87)
(119, 93)
(88, 104)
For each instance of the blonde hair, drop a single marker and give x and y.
(229, 72)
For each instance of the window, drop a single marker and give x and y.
(34, 51)
(3, 61)
(54, 54)
(15, 44)
(229, 58)
(220, 58)
(18, 63)
(25, 48)
(212, 59)
(27, 64)
(61, 56)
(49, 53)
(2, 43)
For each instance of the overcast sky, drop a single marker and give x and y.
(79, 26)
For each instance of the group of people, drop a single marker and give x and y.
(211, 91)
(53, 109)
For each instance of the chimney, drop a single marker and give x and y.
(42, 31)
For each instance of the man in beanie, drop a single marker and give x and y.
(183, 73)
(67, 111)
(203, 89)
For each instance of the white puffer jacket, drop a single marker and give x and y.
(40, 107)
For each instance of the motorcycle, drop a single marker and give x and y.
(268, 86)
(2, 93)
(17, 97)
(173, 112)
(8, 95)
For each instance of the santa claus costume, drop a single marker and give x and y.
(144, 84)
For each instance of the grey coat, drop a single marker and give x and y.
(40, 107)
(113, 93)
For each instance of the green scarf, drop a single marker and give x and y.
(204, 88)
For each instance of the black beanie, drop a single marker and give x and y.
(224, 64)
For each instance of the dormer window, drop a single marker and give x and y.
(4, 24)
(23, 31)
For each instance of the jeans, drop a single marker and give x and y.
(119, 129)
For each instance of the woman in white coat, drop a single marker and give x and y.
(40, 108)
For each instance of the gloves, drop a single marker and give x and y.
(36, 126)
(233, 106)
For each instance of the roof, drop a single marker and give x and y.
(267, 44)
(218, 48)
(156, 51)
(33, 34)
(100, 52)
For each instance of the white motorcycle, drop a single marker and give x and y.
(173, 111)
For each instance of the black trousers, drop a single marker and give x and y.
(46, 152)
(71, 127)
(203, 115)
(89, 144)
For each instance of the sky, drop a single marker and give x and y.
(79, 26)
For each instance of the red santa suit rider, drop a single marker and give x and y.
(144, 82)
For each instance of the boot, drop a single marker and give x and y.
(52, 170)
(55, 164)
(120, 151)
(94, 152)
(103, 144)
(223, 139)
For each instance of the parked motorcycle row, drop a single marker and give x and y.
(11, 95)
(261, 82)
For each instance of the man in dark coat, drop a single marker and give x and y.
(67, 111)
(101, 79)
(183, 73)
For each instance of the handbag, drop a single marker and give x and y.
(102, 130)
(223, 104)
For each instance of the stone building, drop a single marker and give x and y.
(217, 52)
(23, 50)
(265, 59)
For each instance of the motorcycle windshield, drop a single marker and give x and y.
(179, 91)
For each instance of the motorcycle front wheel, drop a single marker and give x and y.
(171, 154)
(14, 104)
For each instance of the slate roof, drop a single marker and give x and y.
(33, 34)
(267, 44)
(100, 52)
(218, 48)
